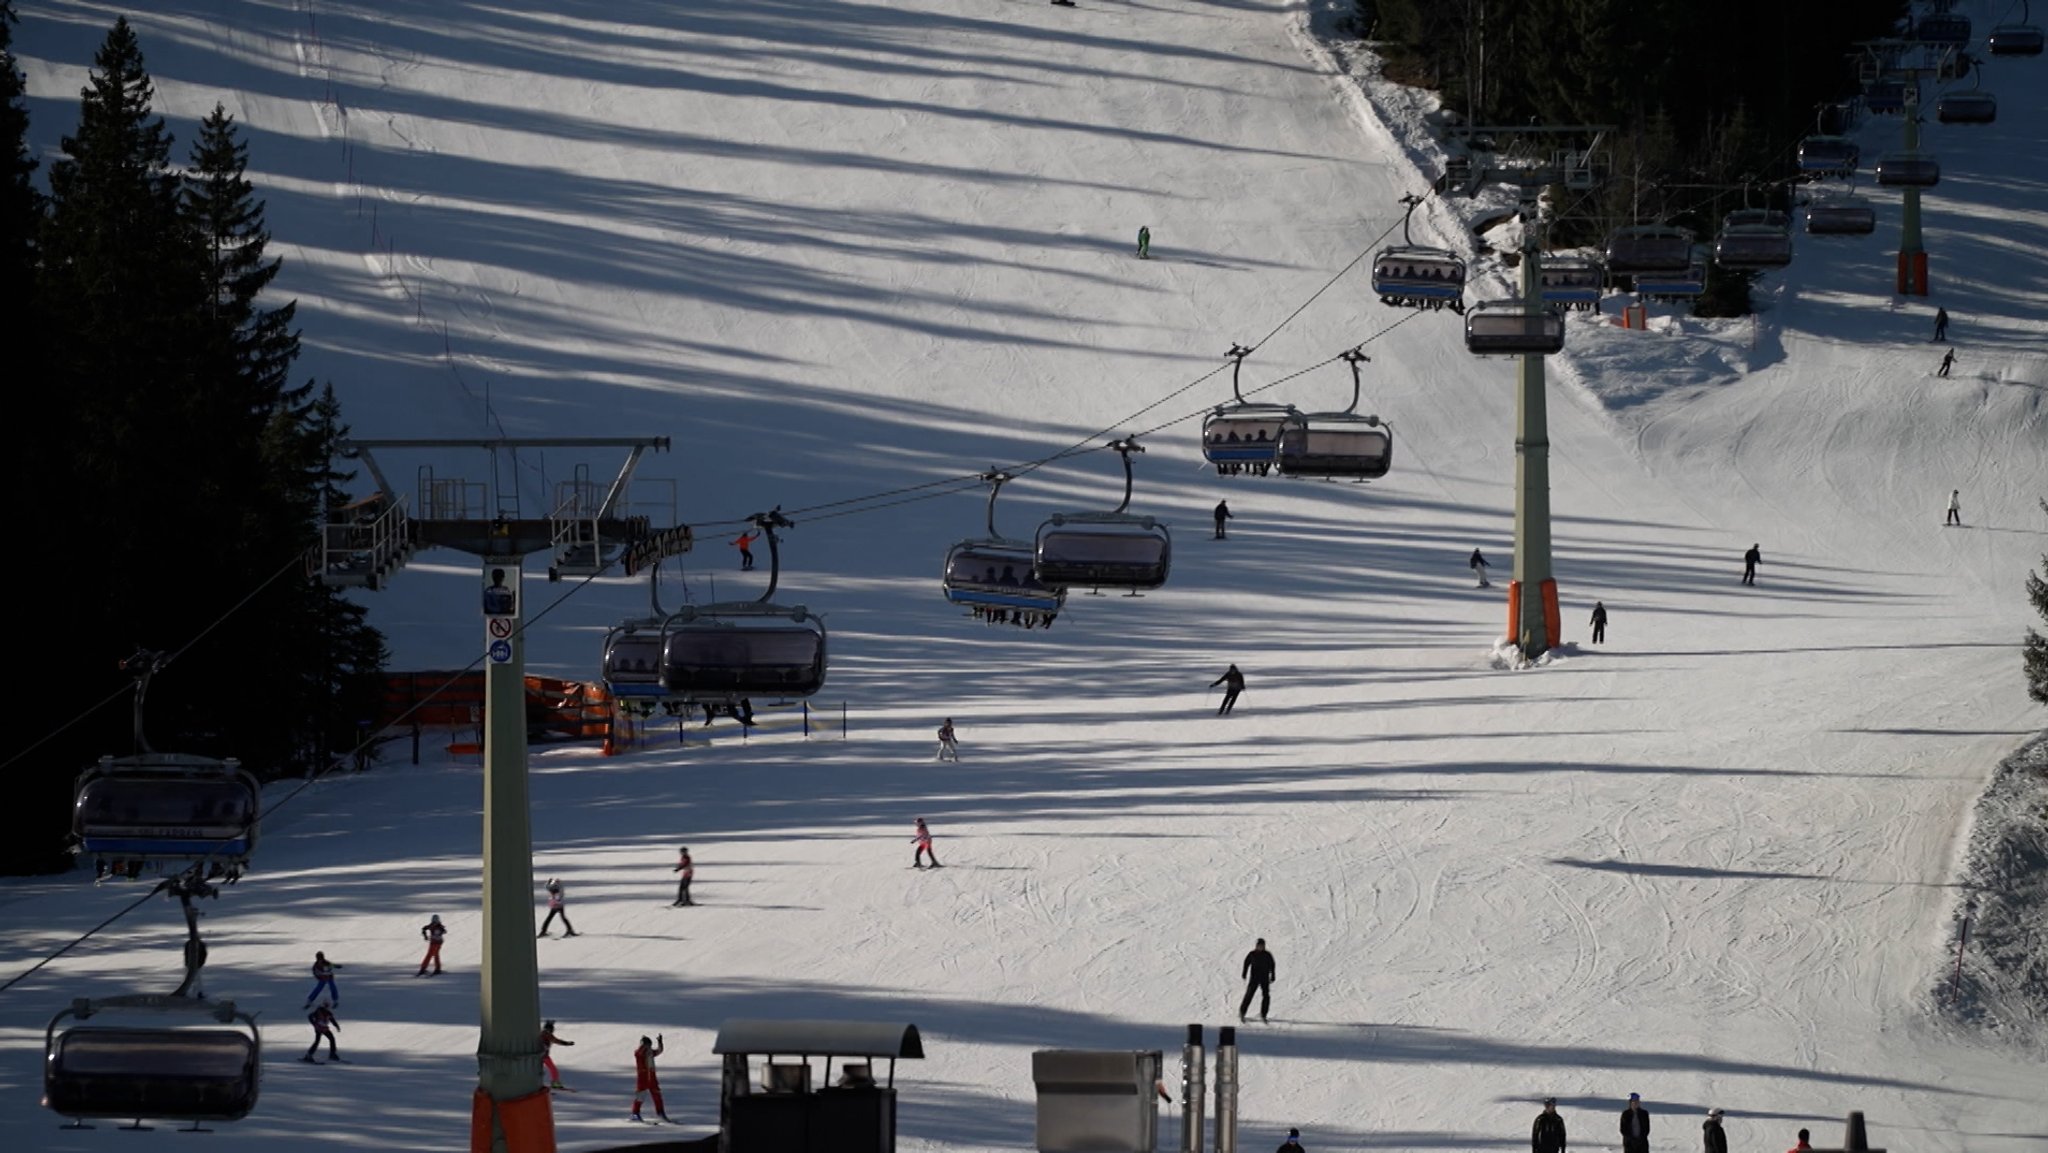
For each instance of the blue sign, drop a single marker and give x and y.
(501, 652)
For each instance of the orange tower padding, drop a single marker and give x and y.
(1553, 618)
(1514, 610)
(1913, 273)
(528, 1122)
(574, 709)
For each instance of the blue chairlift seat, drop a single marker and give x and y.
(1908, 170)
(998, 574)
(1648, 248)
(1843, 216)
(1417, 277)
(1971, 107)
(1336, 446)
(1242, 434)
(166, 807)
(1686, 285)
(1509, 327)
(632, 663)
(1103, 550)
(2015, 40)
(1572, 282)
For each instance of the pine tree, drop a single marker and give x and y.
(29, 451)
(2036, 658)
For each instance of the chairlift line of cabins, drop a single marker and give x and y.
(1829, 156)
(1241, 437)
(2021, 39)
(170, 1067)
(1114, 549)
(741, 650)
(1845, 215)
(1338, 445)
(150, 809)
(994, 574)
(1411, 275)
(1970, 106)
(1513, 328)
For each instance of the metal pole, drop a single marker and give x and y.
(1912, 270)
(1532, 472)
(1191, 1092)
(1226, 1089)
(1955, 983)
(508, 1050)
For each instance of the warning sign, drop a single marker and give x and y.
(500, 627)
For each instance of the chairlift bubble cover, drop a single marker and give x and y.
(154, 812)
(1103, 552)
(997, 574)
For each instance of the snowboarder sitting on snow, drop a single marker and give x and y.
(548, 1040)
(324, 1025)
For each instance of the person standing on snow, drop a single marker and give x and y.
(744, 540)
(1144, 242)
(1258, 971)
(1713, 1139)
(1940, 326)
(1955, 509)
(688, 869)
(949, 747)
(557, 907)
(323, 978)
(923, 841)
(1599, 623)
(1478, 565)
(1948, 361)
(433, 932)
(1802, 1147)
(1233, 684)
(645, 1081)
(1750, 560)
(548, 1040)
(1292, 1144)
(1548, 1134)
(325, 1025)
(1223, 513)
(1635, 1126)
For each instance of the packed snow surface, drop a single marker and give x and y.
(839, 248)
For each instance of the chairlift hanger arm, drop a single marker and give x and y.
(1236, 357)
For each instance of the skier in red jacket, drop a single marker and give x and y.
(644, 1078)
(548, 1040)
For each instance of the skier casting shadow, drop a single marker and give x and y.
(1233, 684)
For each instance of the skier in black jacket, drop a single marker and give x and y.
(1258, 970)
(1548, 1136)
(1233, 684)
(1635, 1126)
(1716, 1139)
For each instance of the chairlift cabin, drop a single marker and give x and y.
(1686, 285)
(1338, 445)
(163, 1069)
(1513, 328)
(1946, 28)
(1829, 155)
(2015, 40)
(166, 807)
(1241, 436)
(1974, 106)
(1412, 276)
(995, 572)
(1885, 97)
(1754, 238)
(1908, 170)
(1645, 248)
(1101, 550)
(632, 660)
(1842, 216)
(733, 652)
(1572, 282)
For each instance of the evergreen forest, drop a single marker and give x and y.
(170, 473)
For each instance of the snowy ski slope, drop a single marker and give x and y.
(839, 248)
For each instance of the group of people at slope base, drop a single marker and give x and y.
(1549, 1136)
